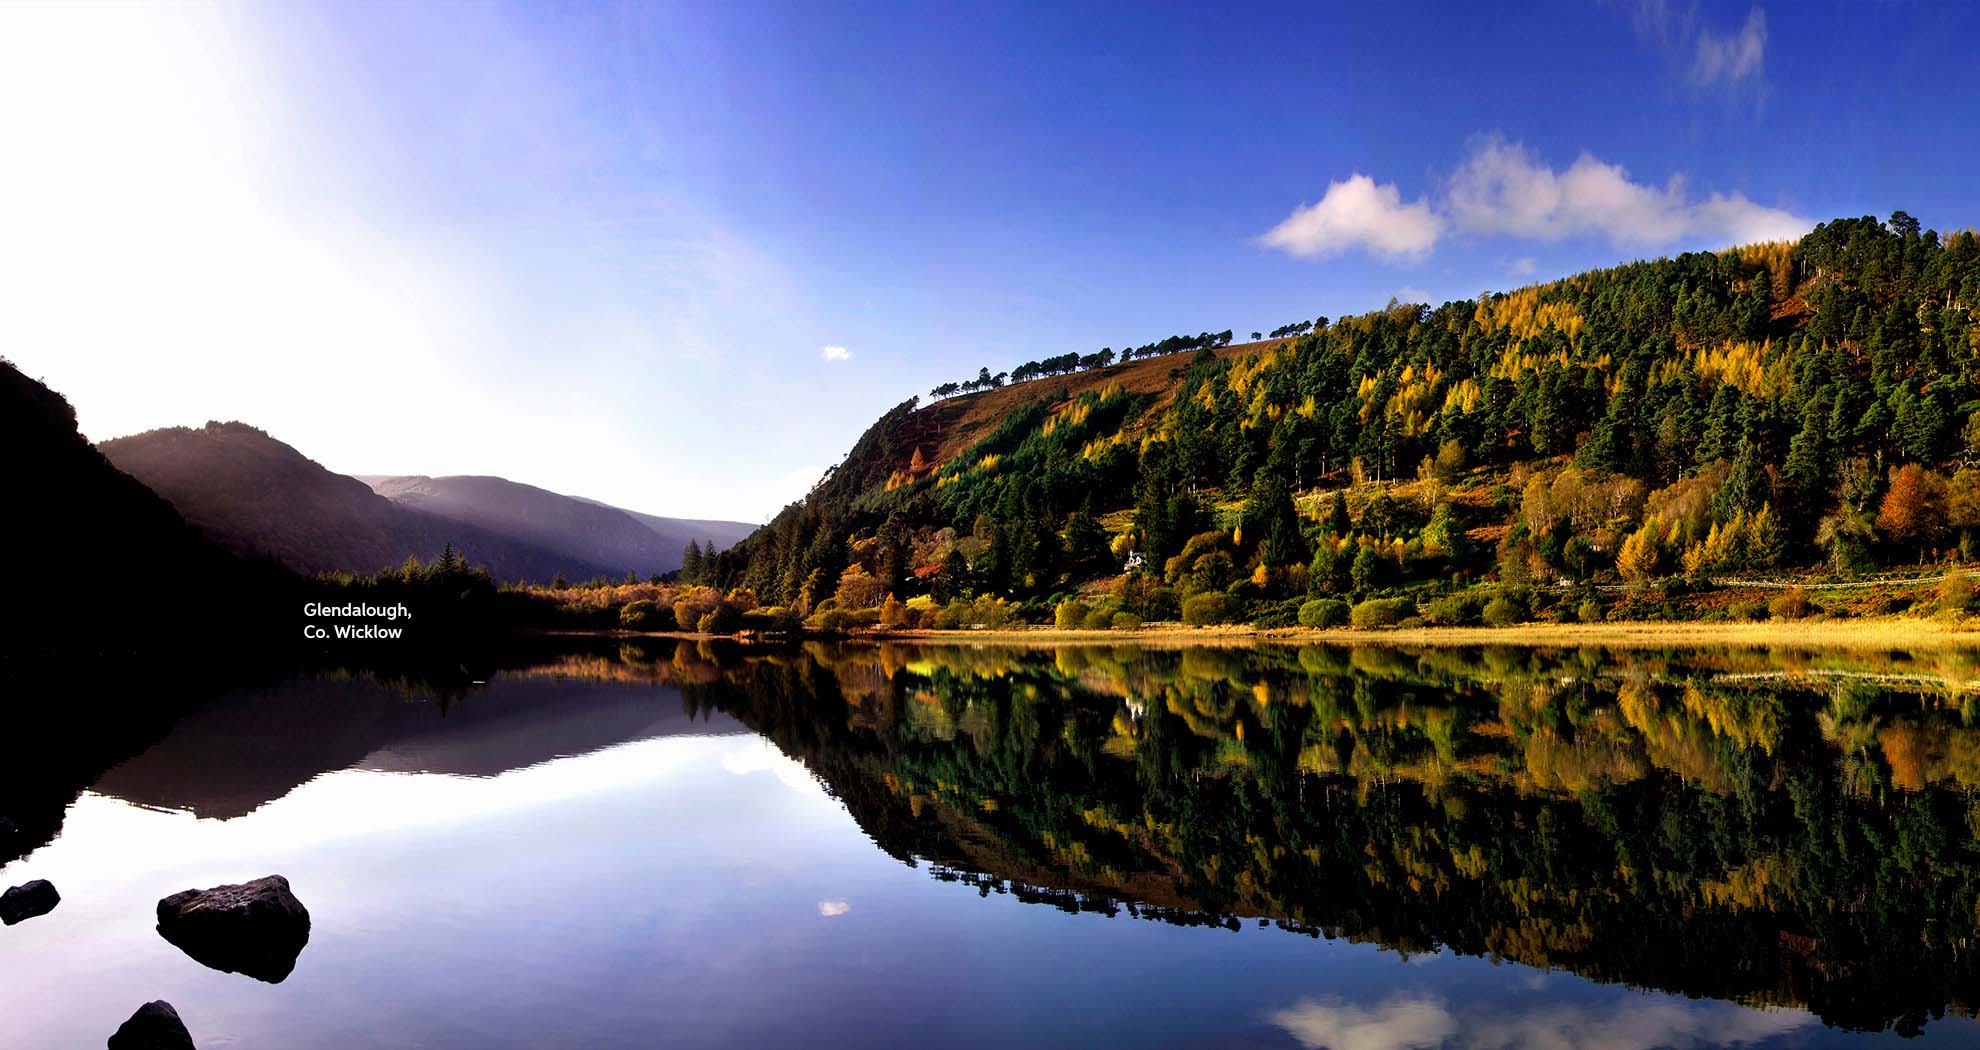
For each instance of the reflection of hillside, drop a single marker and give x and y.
(1769, 827)
(251, 747)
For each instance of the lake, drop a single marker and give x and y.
(693, 844)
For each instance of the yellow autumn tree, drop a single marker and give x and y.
(1637, 560)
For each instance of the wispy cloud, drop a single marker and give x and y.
(1503, 189)
(835, 353)
(1358, 212)
(1707, 58)
(1733, 57)
(1520, 267)
(1411, 294)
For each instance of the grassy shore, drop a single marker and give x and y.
(1881, 633)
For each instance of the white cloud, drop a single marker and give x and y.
(1405, 1022)
(1733, 57)
(1357, 211)
(1412, 294)
(1521, 267)
(1504, 188)
(832, 909)
(835, 353)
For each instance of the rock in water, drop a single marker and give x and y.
(155, 1026)
(256, 928)
(28, 900)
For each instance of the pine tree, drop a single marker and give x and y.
(1337, 515)
(691, 563)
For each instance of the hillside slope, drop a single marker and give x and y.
(1793, 407)
(598, 533)
(255, 495)
(81, 529)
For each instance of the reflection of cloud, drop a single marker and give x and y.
(834, 908)
(1394, 1025)
(1403, 1022)
(835, 353)
(757, 755)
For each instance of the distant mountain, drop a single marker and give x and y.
(255, 495)
(676, 532)
(598, 531)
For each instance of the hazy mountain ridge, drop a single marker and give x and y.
(256, 495)
(606, 534)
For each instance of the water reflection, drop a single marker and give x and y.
(1770, 827)
(1788, 834)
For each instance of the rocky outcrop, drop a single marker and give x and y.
(155, 1026)
(28, 900)
(253, 928)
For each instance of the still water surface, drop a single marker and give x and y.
(679, 845)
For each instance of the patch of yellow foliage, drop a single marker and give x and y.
(1754, 369)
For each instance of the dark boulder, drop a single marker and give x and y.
(28, 900)
(255, 928)
(155, 1026)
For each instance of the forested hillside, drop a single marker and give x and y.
(1617, 442)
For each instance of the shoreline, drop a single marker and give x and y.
(1880, 633)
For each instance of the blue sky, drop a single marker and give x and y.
(603, 249)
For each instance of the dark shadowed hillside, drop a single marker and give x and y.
(81, 530)
(596, 532)
(109, 592)
(254, 494)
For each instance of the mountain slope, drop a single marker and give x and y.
(677, 533)
(82, 530)
(254, 494)
(1781, 406)
(600, 533)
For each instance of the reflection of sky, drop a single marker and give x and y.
(706, 891)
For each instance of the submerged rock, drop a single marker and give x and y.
(254, 928)
(28, 900)
(155, 1026)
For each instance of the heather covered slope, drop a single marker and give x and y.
(256, 495)
(1808, 407)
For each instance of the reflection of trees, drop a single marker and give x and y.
(1759, 826)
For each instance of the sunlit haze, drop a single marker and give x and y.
(677, 256)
